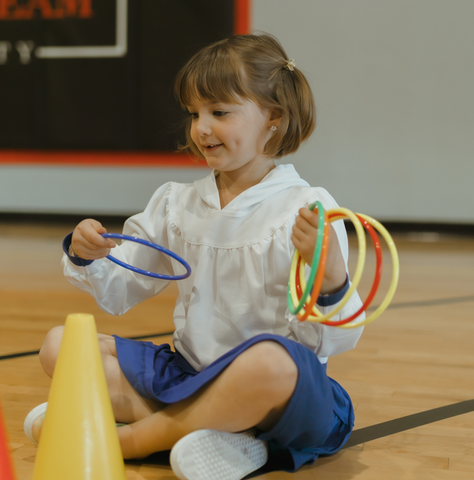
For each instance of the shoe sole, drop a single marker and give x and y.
(215, 455)
(31, 419)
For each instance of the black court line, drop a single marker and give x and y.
(18, 355)
(422, 303)
(362, 435)
(398, 425)
(35, 352)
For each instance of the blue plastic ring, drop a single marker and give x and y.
(156, 247)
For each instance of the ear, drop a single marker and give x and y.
(275, 116)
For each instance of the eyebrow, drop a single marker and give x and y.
(209, 104)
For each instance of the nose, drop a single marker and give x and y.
(202, 125)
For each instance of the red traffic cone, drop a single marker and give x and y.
(6, 466)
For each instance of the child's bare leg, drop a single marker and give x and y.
(127, 404)
(251, 392)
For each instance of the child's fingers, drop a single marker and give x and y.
(95, 239)
(94, 234)
(95, 254)
(89, 251)
(305, 248)
(91, 231)
(297, 242)
(87, 241)
(109, 241)
(306, 222)
(309, 216)
(299, 234)
(304, 226)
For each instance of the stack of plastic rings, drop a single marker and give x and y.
(302, 295)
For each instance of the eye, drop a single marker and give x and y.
(193, 115)
(219, 113)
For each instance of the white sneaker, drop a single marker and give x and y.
(215, 455)
(34, 423)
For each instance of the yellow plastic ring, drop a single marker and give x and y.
(395, 274)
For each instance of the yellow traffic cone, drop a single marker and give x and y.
(79, 439)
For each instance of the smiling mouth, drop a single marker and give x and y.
(210, 147)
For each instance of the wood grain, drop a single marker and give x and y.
(410, 360)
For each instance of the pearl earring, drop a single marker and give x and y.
(273, 128)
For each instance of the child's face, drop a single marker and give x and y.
(230, 136)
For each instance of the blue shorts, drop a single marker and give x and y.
(319, 417)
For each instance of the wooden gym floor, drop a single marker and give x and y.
(417, 357)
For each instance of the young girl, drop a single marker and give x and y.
(247, 379)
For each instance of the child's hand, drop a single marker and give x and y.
(87, 241)
(304, 240)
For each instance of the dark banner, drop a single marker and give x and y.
(97, 75)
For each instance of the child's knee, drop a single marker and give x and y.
(272, 365)
(107, 344)
(50, 349)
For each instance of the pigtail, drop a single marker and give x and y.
(306, 105)
(292, 93)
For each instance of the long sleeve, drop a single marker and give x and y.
(115, 288)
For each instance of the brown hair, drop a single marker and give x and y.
(251, 67)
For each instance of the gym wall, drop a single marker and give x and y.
(392, 82)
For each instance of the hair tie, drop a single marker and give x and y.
(291, 65)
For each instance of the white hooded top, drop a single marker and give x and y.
(240, 257)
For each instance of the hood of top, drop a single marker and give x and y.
(279, 179)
